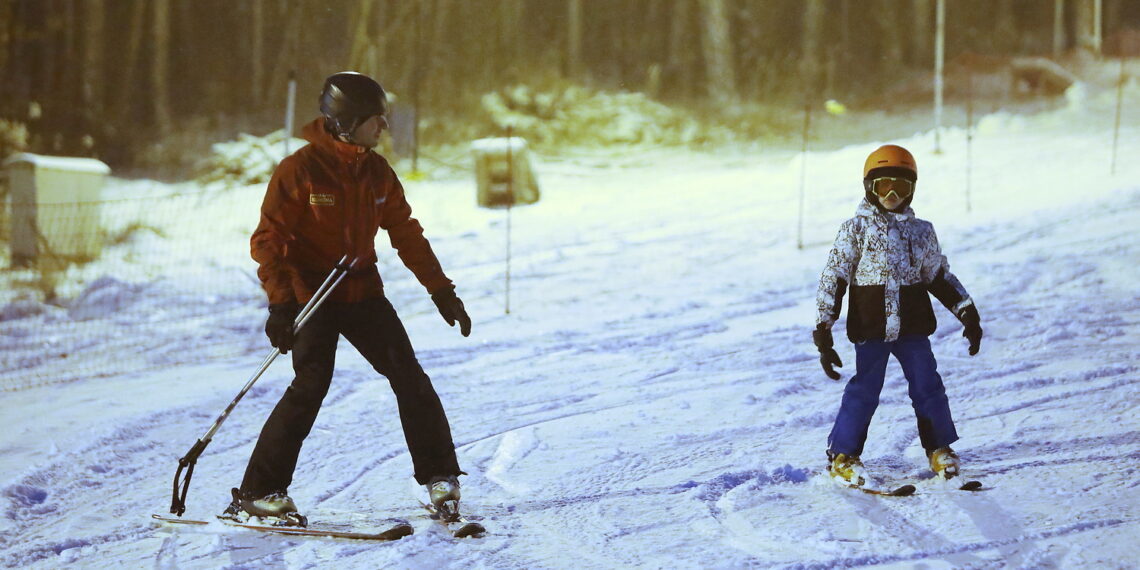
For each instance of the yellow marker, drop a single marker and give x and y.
(834, 107)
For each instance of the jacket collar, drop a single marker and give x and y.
(318, 136)
(869, 210)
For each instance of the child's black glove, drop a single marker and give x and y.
(827, 355)
(279, 326)
(973, 323)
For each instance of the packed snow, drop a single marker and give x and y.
(652, 399)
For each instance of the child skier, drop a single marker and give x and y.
(891, 261)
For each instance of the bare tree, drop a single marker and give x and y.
(922, 37)
(1088, 25)
(811, 63)
(359, 34)
(257, 51)
(889, 20)
(160, 63)
(574, 38)
(716, 40)
(135, 32)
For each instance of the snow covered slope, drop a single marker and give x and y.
(653, 398)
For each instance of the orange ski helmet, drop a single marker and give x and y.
(890, 156)
(889, 160)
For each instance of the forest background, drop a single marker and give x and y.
(149, 86)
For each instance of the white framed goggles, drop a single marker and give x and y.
(884, 185)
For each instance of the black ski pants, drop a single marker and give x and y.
(375, 330)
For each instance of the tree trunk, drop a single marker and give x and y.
(1009, 39)
(257, 52)
(91, 70)
(287, 46)
(127, 90)
(681, 59)
(1088, 35)
(160, 66)
(811, 61)
(359, 34)
(716, 40)
(921, 40)
(1058, 28)
(574, 39)
(889, 21)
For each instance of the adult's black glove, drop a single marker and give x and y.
(973, 323)
(827, 355)
(279, 327)
(451, 308)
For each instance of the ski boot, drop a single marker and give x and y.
(443, 491)
(944, 463)
(847, 469)
(274, 509)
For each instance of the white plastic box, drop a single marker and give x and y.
(55, 207)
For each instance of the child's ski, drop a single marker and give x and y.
(901, 491)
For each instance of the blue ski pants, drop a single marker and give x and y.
(861, 396)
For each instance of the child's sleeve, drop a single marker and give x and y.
(837, 274)
(943, 284)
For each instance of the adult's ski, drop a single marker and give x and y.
(456, 524)
(391, 529)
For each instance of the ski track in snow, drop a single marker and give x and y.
(653, 399)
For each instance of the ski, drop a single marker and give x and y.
(395, 529)
(901, 491)
(456, 524)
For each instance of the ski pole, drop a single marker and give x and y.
(178, 501)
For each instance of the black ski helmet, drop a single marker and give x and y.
(348, 99)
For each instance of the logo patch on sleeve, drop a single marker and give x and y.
(322, 199)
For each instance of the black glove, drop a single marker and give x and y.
(827, 355)
(279, 327)
(973, 323)
(451, 308)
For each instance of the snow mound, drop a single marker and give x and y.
(248, 160)
(103, 297)
(577, 115)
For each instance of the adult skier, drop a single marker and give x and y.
(891, 262)
(325, 201)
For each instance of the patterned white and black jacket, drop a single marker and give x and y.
(891, 262)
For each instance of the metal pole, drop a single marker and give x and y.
(510, 203)
(803, 177)
(290, 105)
(939, 55)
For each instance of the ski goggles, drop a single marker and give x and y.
(884, 185)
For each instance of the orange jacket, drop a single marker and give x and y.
(329, 199)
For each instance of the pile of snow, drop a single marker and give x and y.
(248, 160)
(581, 116)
